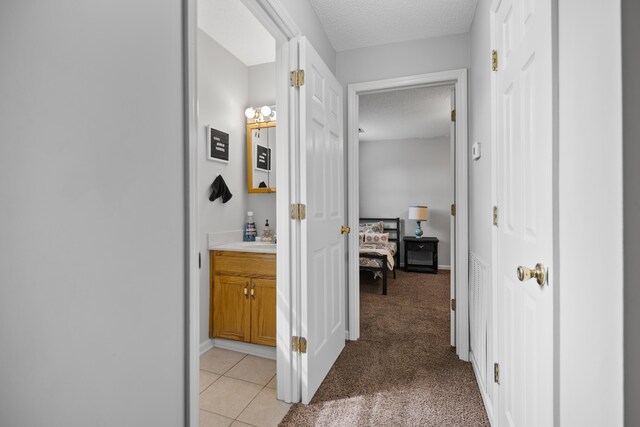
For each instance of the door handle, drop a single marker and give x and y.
(253, 287)
(344, 229)
(246, 289)
(539, 272)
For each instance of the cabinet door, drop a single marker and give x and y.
(263, 312)
(231, 308)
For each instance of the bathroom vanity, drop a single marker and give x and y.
(242, 304)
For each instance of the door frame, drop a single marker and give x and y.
(458, 79)
(282, 27)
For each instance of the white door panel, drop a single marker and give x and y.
(322, 245)
(524, 157)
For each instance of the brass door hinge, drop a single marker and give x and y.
(453, 115)
(453, 209)
(453, 304)
(494, 60)
(298, 211)
(299, 344)
(296, 77)
(496, 373)
(495, 216)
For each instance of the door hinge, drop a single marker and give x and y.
(296, 77)
(494, 60)
(495, 216)
(453, 209)
(496, 373)
(453, 304)
(299, 344)
(298, 211)
(453, 115)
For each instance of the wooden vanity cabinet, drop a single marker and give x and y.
(243, 297)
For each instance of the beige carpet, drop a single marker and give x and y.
(403, 370)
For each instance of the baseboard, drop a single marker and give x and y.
(206, 346)
(242, 347)
(440, 267)
(488, 407)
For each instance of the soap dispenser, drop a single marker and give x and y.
(267, 233)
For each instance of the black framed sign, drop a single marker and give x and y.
(217, 145)
(263, 158)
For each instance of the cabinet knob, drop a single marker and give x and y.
(253, 287)
(246, 289)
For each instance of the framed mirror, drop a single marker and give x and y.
(261, 157)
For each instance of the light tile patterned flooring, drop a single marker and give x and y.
(237, 389)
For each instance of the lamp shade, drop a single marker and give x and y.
(418, 213)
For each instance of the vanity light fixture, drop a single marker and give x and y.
(260, 114)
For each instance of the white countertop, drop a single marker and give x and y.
(259, 247)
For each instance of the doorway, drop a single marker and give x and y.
(280, 30)
(456, 79)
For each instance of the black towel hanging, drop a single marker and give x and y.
(219, 189)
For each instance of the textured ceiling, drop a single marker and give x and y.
(231, 24)
(417, 113)
(352, 24)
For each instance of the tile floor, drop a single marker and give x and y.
(238, 389)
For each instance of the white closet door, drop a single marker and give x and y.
(524, 99)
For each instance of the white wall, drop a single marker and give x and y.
(262, 91)
(223, 94)
(590, 292)
(403, 59)
(480, 206)
(92, 225)
(631, 111)
(480, 199)
(307, 21)
(397, 174)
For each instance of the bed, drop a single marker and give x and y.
(379, 247)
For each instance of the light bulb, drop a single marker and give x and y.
(265, 111)
(250, 113)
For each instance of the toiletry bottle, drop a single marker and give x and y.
(250, 229)
(267, 233)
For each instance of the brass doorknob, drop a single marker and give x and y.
(344, 229)
(539, 273)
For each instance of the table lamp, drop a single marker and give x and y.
(418, 213)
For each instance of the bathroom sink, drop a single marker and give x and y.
(263, 247)
(257, 244)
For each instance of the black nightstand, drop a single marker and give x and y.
(421, 254)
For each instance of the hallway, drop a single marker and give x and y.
(402, 371)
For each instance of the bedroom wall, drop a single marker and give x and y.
(397, 174)
(223, 95)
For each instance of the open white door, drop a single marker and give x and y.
(522, 33)
(452, 263)
(322, 246)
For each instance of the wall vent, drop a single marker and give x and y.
(479, 310)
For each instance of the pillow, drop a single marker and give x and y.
(382, 238)
(374, 227)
